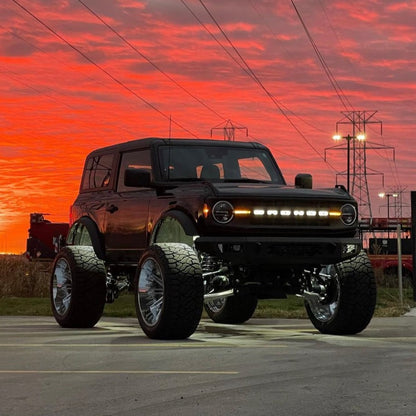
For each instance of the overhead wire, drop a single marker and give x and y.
(15, 78)
(91, 61)
(338, 90)
(246, 67)
(392, 164)
(141, 54)
(302, 119)
(170, 78)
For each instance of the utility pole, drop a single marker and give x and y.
(357, 146)
(229, 129)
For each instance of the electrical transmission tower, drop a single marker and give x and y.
(229, 129)
(357, 146)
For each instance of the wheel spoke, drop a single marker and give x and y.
(62, 286)
(150, 292)
(324, 308)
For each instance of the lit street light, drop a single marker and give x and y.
(348, 138)
(388, 196)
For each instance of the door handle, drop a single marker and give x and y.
(111, 208)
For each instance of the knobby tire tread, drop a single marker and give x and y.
(357, 298)
(183, 291)
(88, 287)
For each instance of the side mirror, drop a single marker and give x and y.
(137, 178)
(303, 180)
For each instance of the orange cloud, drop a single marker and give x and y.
(58, 102)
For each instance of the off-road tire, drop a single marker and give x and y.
(169, 291)
(232, 310)
(77, 287)
(355, 298)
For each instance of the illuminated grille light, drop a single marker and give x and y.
(334, 213)
(271, 212)
(242, 212)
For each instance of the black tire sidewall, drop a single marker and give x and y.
(183, 291)
(357, 298)
(88, 287)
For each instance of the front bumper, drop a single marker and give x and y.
(280, 251)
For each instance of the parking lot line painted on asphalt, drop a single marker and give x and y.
(216, 344)
(171, 372)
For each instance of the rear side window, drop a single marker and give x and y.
(97, 172)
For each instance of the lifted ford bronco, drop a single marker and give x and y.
(189, 224)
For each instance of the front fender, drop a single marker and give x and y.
(174, 226)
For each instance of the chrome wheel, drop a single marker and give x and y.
(324, 300)
(150, 294)
(216, 305)
(62, 286)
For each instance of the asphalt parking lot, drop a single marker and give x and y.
(265, 367)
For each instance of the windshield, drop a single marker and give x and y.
(218, 164)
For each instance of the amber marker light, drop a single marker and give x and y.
(205, 211)
(242, 211)
(334, 213)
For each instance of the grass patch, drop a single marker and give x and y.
(24, 290)
(388, 302)
(388, 305)
(13, 306)
(122, 307)
(20, 277)
(292, 307)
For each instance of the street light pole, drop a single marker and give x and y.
(388, 196)
(388, 215)
(348, 138)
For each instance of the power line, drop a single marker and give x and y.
(292, 56)
(91, 61)
(150, 61)
(153, 64)
(246, 67)
(340, 93)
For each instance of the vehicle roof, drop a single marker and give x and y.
(149, 141)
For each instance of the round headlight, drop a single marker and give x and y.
(348, 214)
(223, 212)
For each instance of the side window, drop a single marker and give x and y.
(97, 172)
(139, 159)
(253, 168)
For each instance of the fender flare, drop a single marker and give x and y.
(96, 237)
(184, 220)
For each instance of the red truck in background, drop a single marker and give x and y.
(45, 237)
(382, 251)
(383, 256)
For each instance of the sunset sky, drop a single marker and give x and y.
(76, 75)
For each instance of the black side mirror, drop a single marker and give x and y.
(303, 180)
(137, 178)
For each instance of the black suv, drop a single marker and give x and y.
(193, 223)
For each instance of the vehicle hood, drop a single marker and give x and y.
(260, 190)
